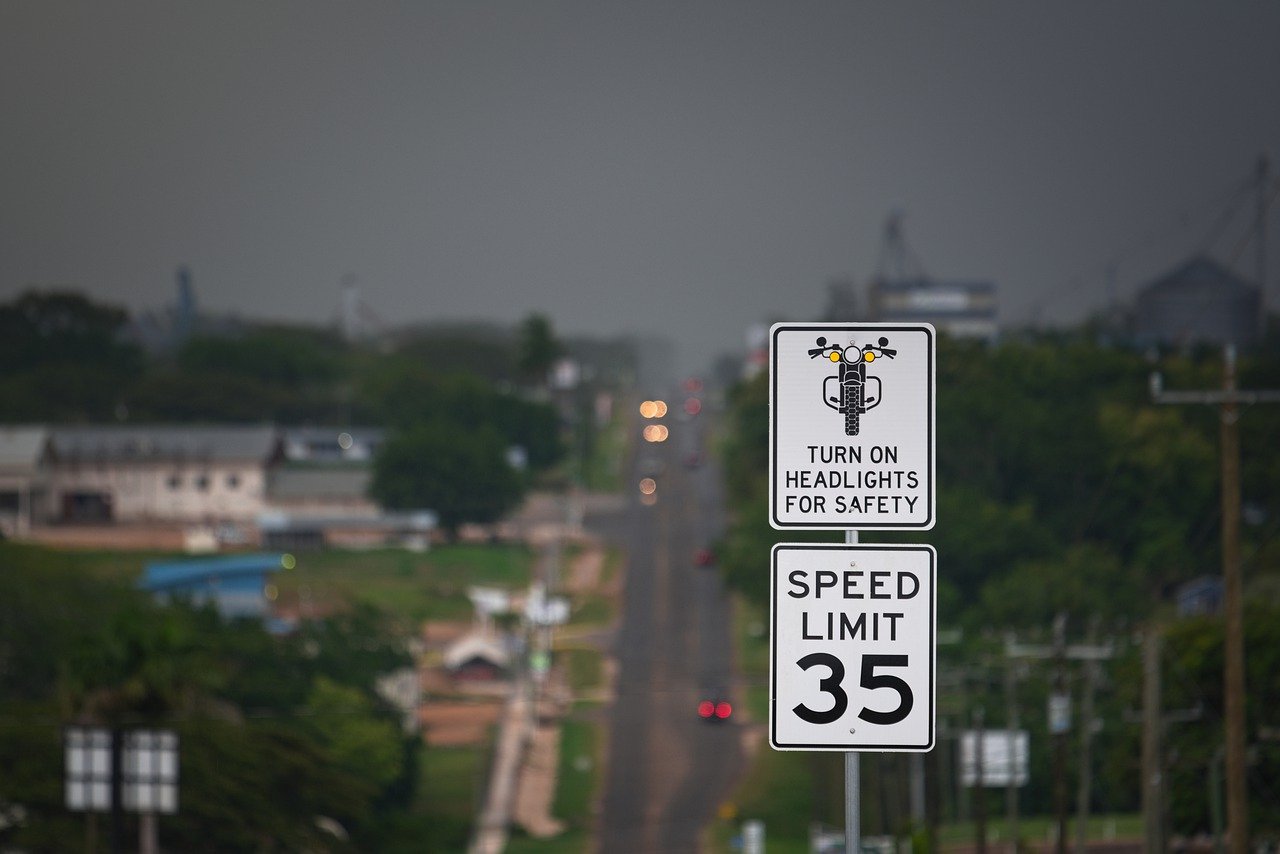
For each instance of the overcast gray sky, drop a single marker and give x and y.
(685, 168)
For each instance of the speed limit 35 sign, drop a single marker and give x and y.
(852, 647)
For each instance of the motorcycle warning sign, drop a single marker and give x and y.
(851, 425)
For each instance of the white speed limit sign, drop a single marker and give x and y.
(852, 647)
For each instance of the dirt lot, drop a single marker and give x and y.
(458, 723)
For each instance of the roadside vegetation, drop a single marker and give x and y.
(276, 731)
(411, 587)
(1063, 493)
(252, 687)
(286, 746)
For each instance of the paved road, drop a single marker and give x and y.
(668, 770)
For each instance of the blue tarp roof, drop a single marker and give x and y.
(168, 575)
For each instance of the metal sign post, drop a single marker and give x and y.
(853, 628)
(852, 776)
(113, 770)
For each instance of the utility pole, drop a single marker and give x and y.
(1011, 721)
(1060, 652)
(1233, 599)
(1084, 782)
(1059, 730)
(1152, 747)
(1228, 401)
(979, 782)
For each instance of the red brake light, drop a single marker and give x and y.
(706, 709)
(723, 710)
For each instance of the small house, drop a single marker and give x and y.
(478, 657)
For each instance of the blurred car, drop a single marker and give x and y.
(704, 557)
(715, 709)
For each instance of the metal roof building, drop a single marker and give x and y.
(1200, 302)
(235, 584)
(169, 443)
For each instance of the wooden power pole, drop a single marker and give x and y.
(1060, 653)
(1228, 401)
(1152, 744)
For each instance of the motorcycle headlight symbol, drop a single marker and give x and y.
(852, 355)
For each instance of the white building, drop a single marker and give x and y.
(169, 473)
(958, 309)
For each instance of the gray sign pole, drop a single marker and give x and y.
(852, 793)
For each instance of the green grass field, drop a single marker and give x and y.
(125, 566)
(414, 586)
(410, 585)
(450, 788)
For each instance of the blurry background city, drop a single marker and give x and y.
(384, 416)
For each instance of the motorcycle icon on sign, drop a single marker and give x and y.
(847, 391)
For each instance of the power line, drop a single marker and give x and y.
(1250, 234)
(1227, 200)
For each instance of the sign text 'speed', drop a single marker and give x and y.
(853, 584)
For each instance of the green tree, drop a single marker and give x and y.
(63, 326)
(487, 351)
(1086, 581)
(280, 373)
(64, 358)
(367, 746)
(277, 355)
(462, 475)
(538, 349)
(406, 395)
(260, 785)
(271, 736)
(1193, 666)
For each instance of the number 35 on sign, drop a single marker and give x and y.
(852, 647)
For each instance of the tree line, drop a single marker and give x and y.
(1064, 491)
(275, 731)
(456, 400)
